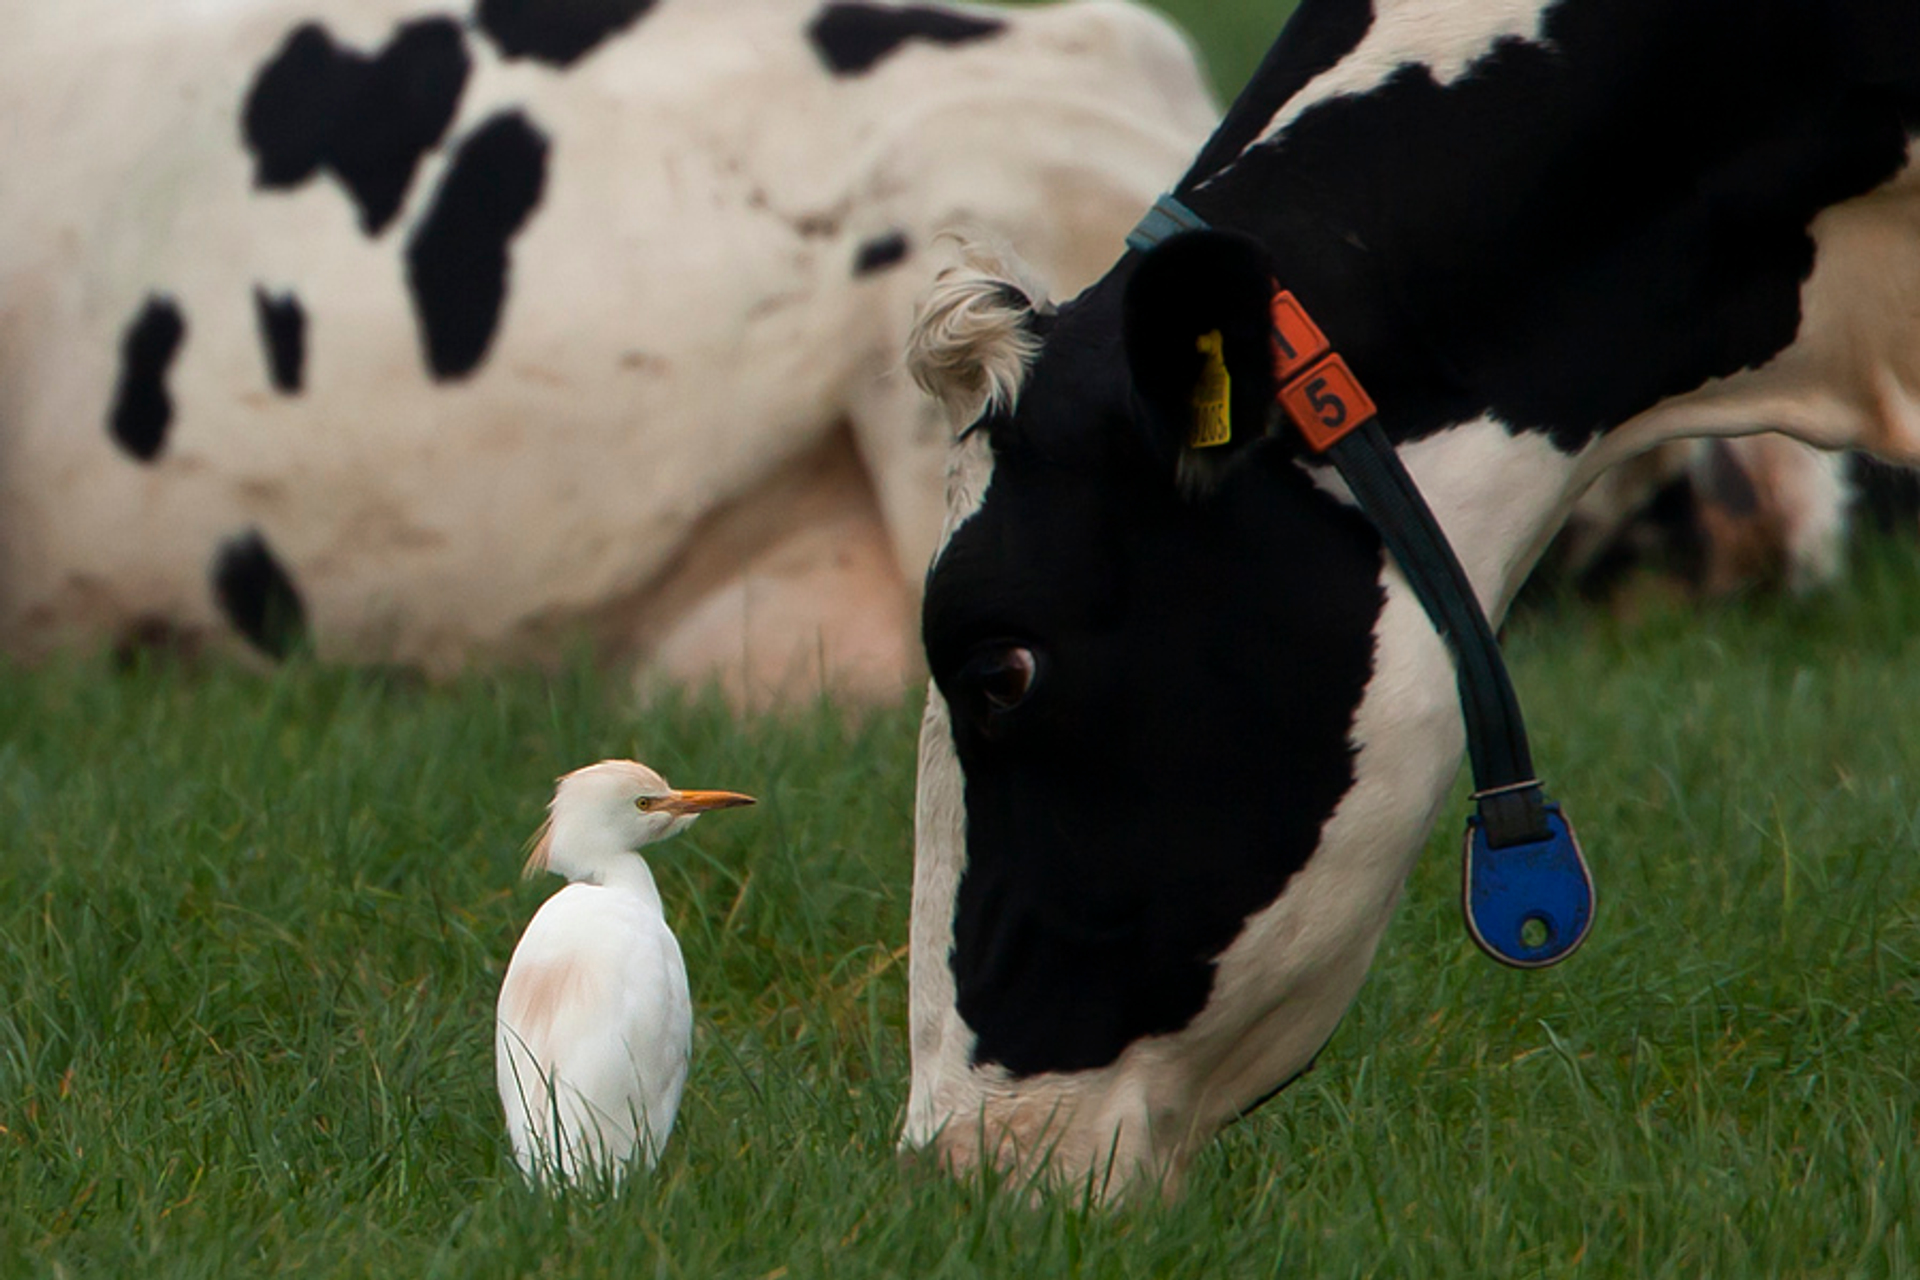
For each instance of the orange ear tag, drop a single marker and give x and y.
(1212, 395)
(1326, 402)
(1297, 340)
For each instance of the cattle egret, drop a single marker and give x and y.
(594, 1025)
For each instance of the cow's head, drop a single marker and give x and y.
(1144, 893)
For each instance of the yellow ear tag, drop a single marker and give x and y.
(1212, 395)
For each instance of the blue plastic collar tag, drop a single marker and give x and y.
(1539, 889)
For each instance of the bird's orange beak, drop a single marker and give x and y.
(684, 802)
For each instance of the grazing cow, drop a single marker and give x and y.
(1188, 726)
(424, 335)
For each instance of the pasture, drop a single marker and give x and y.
(1232, 37)
(252, 924)
(251, 927)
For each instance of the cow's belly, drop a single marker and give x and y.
(789, 593)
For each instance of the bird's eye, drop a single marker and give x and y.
(644, 803)
(1002, 676)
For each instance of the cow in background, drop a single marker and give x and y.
(1189, 727)
(421, 336)
(1721, 516)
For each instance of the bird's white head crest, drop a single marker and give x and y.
(612, 808)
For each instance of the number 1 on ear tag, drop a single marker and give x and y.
(1212, 395)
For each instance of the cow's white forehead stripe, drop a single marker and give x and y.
(1445, 38)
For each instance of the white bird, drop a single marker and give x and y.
(594, 1025)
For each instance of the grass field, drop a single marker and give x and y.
(251, 927)
(1231, 35)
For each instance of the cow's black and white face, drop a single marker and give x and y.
(1188, 727)
(1151, 715)
(1144, 685)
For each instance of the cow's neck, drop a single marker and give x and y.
(1498, 497)
(1498, 493)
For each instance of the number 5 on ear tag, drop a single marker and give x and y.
(1212, 395)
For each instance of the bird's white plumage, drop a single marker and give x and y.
(594, 1024)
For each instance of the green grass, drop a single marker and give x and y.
(1231, 36)
(251, 927)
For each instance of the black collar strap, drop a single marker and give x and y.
(1526, 889)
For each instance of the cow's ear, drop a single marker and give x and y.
(1199, 317)
(975, 334)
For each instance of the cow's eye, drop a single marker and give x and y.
(1002, 675)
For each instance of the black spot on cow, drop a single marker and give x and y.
(457, 257)
(557, 32)
(852, 39)
(257, 597)
(881, 252)
(283, 333)
(142, 408)
(318, 105)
